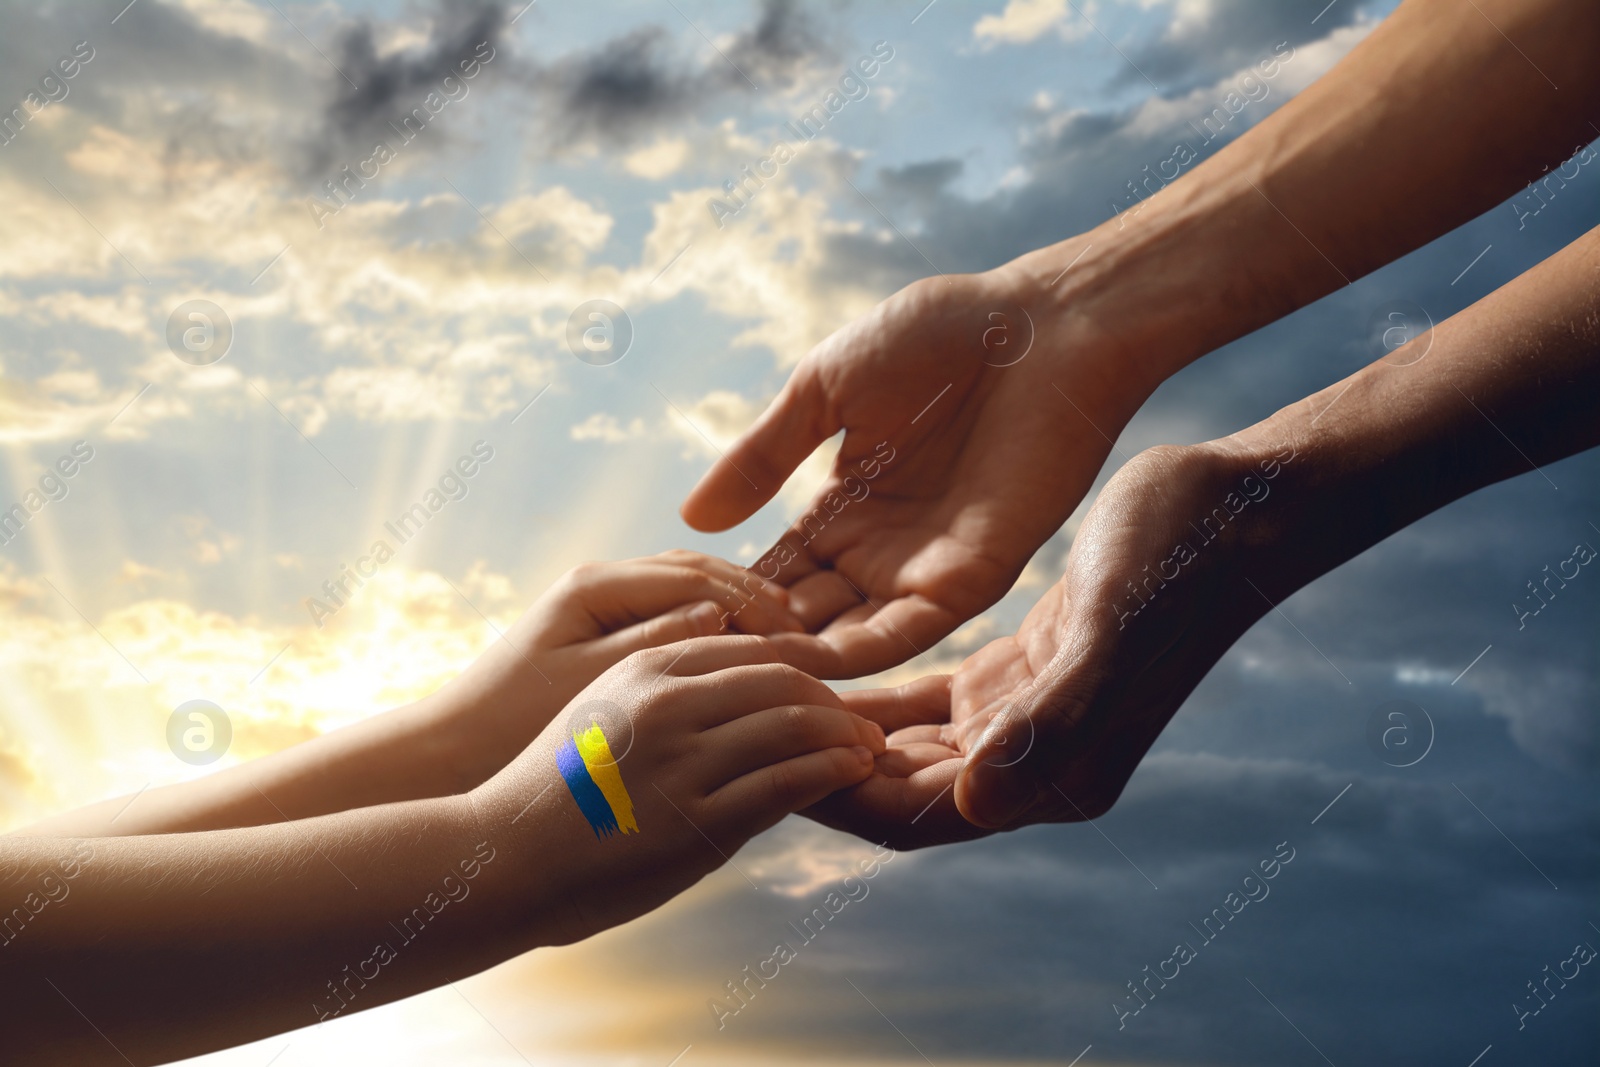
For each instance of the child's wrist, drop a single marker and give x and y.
(539, 875)
(471, 737)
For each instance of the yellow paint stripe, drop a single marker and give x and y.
(603, 769)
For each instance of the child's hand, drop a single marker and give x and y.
(598, 613)
(660, 771)
(592, 617)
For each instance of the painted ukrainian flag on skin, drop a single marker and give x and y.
(590, 771)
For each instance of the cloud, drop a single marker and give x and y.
(603, 427)
(659, 160)
(78, 716)
(1076, 163)
(1206, 39)
(374, 88)
(638, 81)
(1025, 21)
(920, 181)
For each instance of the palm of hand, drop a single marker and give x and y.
(965, 449)
(1087, 683)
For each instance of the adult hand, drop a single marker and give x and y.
(976, 415)
(1048, 724)
(1308, 199)
(1186, 547)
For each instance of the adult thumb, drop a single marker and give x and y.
(1023, 750)
(755, 467)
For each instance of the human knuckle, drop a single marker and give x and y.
(788, 677)
(648, 663)
(586, 573)
(797, 722)
(783, 782)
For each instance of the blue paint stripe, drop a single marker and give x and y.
(590, 800)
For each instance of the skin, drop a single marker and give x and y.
(455, 739)
(1049, 724)
(991, 460)
(251, 923)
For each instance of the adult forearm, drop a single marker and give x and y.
(1447, 108)
(170, 945)
(1510, 384)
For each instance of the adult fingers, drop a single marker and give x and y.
(1011, 766)
(808, 652)
(756, 466)
(913, 750)
(758, 800)
(822, 596)
(772, 735)
(924, 701)
(898, 630)
(910, 812)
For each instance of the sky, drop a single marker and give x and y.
(361, 350)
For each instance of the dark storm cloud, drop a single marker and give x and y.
(1081, 164)
(619, 91)
(1409, 923)
(630, 83)
(1404, 922)
(920, 180)
(381, 88)
(1086, 163)
(1231, 35)
(635, 82)
(782, 40)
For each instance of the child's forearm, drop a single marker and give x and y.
(415, 752)
(158, 947)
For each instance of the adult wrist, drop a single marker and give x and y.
(1203, 262)
(1130, 292)
(1339, 488)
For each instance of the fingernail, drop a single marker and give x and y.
(874, 734)
(864, 755)
(997, 795)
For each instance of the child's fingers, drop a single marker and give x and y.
(618, 595)
(707, 654)
(773, 735)
(742, 577)
(737, 691)
(759, 799)
(703, 619)
(752, 604)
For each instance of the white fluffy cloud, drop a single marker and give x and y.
(1025, 21)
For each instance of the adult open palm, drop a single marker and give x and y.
(974, 423)
(1048, 724)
